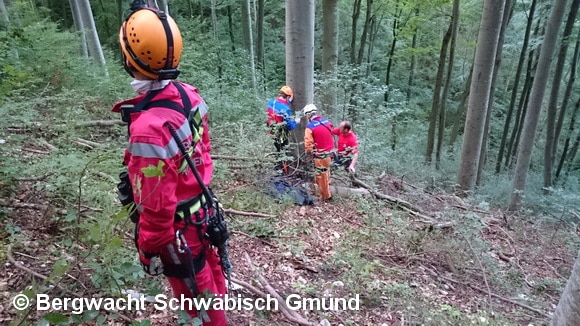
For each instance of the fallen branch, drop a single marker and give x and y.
(482, 269)
(248, 286)
(88, 143)
(35, 151)
(98, 123)
(36, 274)
(433, 273)
(242, 213)
(380, 195)
(293, 316)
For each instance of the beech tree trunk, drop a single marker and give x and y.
(515, 89)
(300, 54)
(443, 111)
(329, 53)
(551, 139)
(487, 40)
(260, 36)
(93, 43)
(568, 308)
(435, 106)
(483, 154)
(535, 104)
(79, 27)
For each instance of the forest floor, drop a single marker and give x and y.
(450, 264)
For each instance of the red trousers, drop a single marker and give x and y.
(209, 278)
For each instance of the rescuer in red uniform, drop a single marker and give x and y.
(168, 122)
(319, 142)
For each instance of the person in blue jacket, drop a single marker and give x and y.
(280, 117)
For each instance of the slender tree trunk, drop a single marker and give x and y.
(374, 31)
(231, 27)
(94, 45)
(450, 64)
(551, 140)
(568, 308)
(80, 29)
(507, 13)
(260, 36)
(568, 138)
(520, 116)
(459, 116)
(535, 104)
(4, 12)
(487, 40)
(355, 15)
(515, 89)
(214, 36)
(251, 45)
(391, 54)
(365, 33)
(246, 24)
(568, 92)
(300, 54)
(411, 81)
(572, 156)
(330, 53)
(436, 97)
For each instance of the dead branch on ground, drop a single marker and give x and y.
(291, 315)
(243, 213)
(379, 195)
(99, 123)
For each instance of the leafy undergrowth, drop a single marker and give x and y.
(441, 261)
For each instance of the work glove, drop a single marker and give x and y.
(151, 263)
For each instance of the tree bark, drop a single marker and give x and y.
(506, 127)
(498, 56)
(94, 45)
(330, 53)
(354, 23)
(442, 112)
(434, 114)
(535, 104)
(568, 138)
(79, 27)
(551, 140)
(411, 81)
(487, 40)
(250, 43)
(568, 308)
(566, 99)
(300, 54)
(260, 36)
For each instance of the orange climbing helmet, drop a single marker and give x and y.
(151, 44)
(286, 90)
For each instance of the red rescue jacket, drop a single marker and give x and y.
(158, 177)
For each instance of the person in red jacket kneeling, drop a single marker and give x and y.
(347, 151)
(169, 167)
